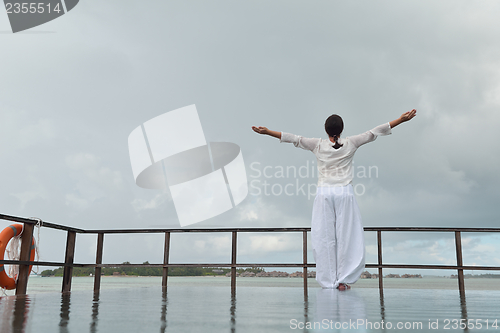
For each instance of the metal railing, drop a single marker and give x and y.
(68, 263)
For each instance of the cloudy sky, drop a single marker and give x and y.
(72, 90)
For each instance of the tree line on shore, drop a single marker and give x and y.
(481, 276)
(208, 271)
(149, 271)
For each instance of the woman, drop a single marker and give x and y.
(336, 228)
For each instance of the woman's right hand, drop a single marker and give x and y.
(260, 129)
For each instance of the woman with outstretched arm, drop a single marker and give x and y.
(336, 227)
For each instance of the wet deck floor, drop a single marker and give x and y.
(253, 309)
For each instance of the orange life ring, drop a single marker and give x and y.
(12, 230)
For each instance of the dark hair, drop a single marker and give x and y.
(334, 125)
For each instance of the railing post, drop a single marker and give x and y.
(380, 275)
(24, 271)
(304, 259)
(458, 244)
(98, 261)
(233, 263)
(70, 254)
(166, 252)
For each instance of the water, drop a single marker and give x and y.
(205, 304)
(37, 284)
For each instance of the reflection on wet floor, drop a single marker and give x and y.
(21, 310)
(306, 311)
(382, 307)
(164, 304)
(14, 313)
(463, 309)
(334, 307)
(65, 310)
(95, 313)
(215, 309)
(232, 312)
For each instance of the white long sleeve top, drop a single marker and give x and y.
(335, 165)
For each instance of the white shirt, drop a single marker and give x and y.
(335, 165)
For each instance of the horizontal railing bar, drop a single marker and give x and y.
(200, 265)
(48, 263)
(293, 229)
(274, 265)
(44, 223)
(142, 231)
(38, 263)
(295, 265)
(472, 268)
(431, 229)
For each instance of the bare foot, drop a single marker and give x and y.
(343, 286)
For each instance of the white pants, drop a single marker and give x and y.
(337, 236)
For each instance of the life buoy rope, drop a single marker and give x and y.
(6, 235)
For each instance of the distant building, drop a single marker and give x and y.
(366, 275)
(410, 276)
(272, 274)
(392, 276)
(310, 274)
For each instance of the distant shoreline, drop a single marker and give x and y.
(468, 276)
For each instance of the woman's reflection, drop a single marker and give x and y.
(340, 310)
